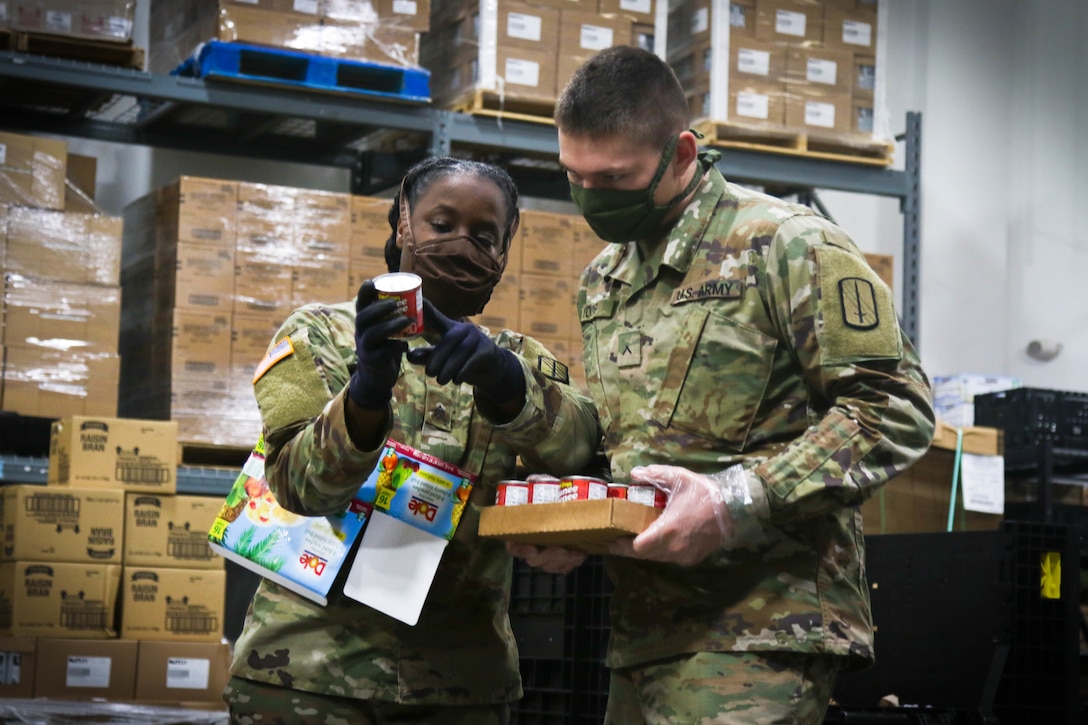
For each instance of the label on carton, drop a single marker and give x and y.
(819, 114)
(524, 26)
(187, 673)
(635, 6)
(752, 105)
(787, 22)
(88, 672)
(522, 72)
(700, 21)
(595, 37)
(857, 33)
(405, 7)
(821, 71)
(309, 7)
(756, 62)
(3, 148)
(58, 22)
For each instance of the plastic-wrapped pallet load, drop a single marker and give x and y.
(804, 75)
(516, 56)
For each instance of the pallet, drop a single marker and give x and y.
(850, 149)
(283, 67)
(479, 102)
(101, 52)
(208, 455)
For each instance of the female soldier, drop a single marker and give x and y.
(472, 399)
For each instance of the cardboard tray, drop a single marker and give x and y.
(585, 525)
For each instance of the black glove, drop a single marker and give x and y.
(371, 384)
(466, 355)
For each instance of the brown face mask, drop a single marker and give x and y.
(458, 274)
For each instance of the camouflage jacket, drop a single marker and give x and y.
(756, 334)
(461, 651)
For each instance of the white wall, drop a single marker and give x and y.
(1001, 87)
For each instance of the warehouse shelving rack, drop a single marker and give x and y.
(378, 140)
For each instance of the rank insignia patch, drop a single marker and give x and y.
(553, 369)
(859, 305)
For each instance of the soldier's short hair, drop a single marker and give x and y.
(623, 91)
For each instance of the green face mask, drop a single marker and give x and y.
(620, 216)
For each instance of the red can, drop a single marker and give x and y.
(512, 493)
(580, 488)
(648, 494)
(617, 490)
(407, 289)
(543, 491)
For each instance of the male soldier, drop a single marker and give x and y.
(743, 357)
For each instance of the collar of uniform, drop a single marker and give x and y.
(687, 233)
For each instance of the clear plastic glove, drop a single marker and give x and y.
(552, 559)
(697, 520)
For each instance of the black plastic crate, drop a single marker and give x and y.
(548, 686)
(1040, 681)
(24, 435)
(1030, 416)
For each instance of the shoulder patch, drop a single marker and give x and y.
(282, 349)
(553, 369)
(858, 316)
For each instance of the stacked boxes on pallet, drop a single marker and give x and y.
(99, 20)
(523, 53)
(60, 262)
(109, 565)
(795, 65)
(379, 31)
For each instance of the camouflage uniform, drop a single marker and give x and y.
(756, 335)
(462, 651)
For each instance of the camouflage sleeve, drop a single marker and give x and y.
(557, 430)
(862, 374)
(311, 465)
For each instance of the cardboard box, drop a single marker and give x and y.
(546, 306)
(266, 218)
(71, 524)
(852, 29)
(757, 104)
(200, 343)
(47, 383)
(178, 605)
(790, 21)
(62, 315)
(527, 73)
(546, 240)
(529, 27)
(864, 77)
(322, 224)
(121, 453)
(884, 266)
(250, 336)
(583, 34)
(199, 210)
(317, 278)
(861, 117)
(742, 18)
(823, 69)
(80, 670)
(59, 599)
(164, 530)
(501, 311)
(18, 656)
(182, 671)
(757, 61)
(195, 277)
(65, 246)
(639, 10)
(585, 525)
(80, 185)
(262, 283)
(811, 111)
(32, 171)
(917, 500)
